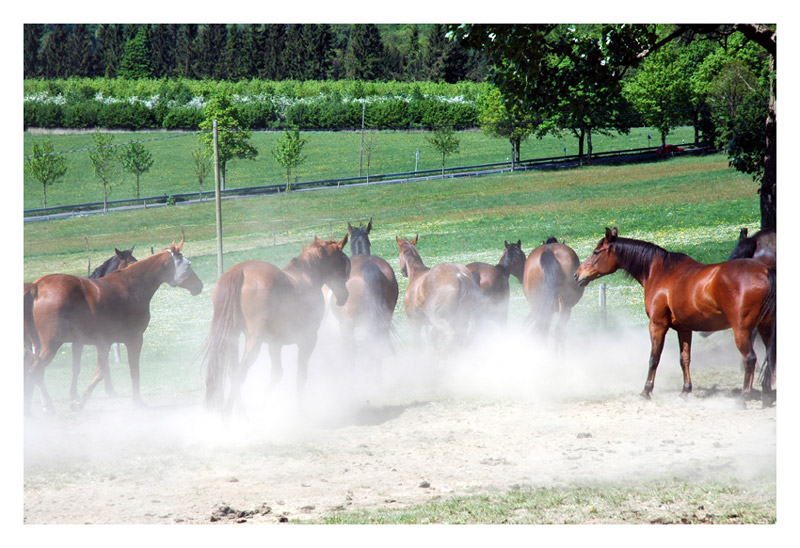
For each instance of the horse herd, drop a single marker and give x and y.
(443, 304)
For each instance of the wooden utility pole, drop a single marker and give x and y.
(217, 194)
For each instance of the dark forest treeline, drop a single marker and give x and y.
(236, 52)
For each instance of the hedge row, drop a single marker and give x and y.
(323, 114)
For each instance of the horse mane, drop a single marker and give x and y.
(107, 267)
(636, 256)
(359, 242)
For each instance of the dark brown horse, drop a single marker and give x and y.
(274, 306)
(685, 295)
(761, 246)
(445, 297)
(550, 288)
(493, 280)
(373, 291)
(118, 261)
(61, 308)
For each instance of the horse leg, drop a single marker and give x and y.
(102, 367)
(657, 334)
(276, 367)
(685, 343)
(561, 329)
(77, 350)
(767, 385)
(744, 342)
(304, 350)
(34, 376)
(134, 348)
(238, 374)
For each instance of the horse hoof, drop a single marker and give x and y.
(645, 395)
(768, 398)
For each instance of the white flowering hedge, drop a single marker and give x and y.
(177, 104)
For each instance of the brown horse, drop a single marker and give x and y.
(373, 291)
(118, 261)
(62, 308)
(761, 246)
(274, 306)
(445, 297)
(685, 295)
(493, 279)
(549, 286)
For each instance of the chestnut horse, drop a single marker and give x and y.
(685, 295)
(118, 261)
(274, 306)
(373, 291)
(761, 246)
(62, 308)
(550, 288)
(445, 297)
(493, 280)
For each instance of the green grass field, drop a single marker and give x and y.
(330, 155)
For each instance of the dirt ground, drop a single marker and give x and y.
(485, 419)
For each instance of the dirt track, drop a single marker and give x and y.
(486, 420)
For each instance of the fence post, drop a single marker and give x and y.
(603, 315)
(218, 197)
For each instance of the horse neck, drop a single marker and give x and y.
(143, 278)
(110, 265)
(414, 264)
(359, 246)
(305, 267)
(637, 258)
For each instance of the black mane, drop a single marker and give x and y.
(636, 256)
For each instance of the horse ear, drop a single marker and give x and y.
(343, 242)
(743, 233)
(519, 243)
(414, 241)
(505, 242)
(369, 225)
(131, 249)
(611, 234)
(349, 227)
(398, 240)
(316, 239)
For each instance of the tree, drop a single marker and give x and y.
(210, 45)
(163, 60)
(135, 62)
(32, 40)
(202, 166)
(45, 167)
(136, 159)
(288, 152)
(365, 53)
(110, 46)
(80, 53)
(53, 53)
(497, 121)
(444, 141)
(660, 91)
(233, 141)
(104, 162)
(370, 146)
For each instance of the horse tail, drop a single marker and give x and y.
(378, 312)
(546, 303)
(768, 313)
(471, 299)
(223, 339)
(31, 334)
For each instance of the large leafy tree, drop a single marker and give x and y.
(522, 58)
(660, 91)
(497, 121)
(45, 167)
(233, 141)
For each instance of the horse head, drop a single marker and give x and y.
(602, 261)
(514, 259)
(183, 275)
(406, 246)
(334, 267)
(359, 239)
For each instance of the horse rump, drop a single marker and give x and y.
(546, 303)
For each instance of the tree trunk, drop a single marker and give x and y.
(105, 198)
(589, 145)
(517, 148)
(443, 155)
(137, 186)
(769, 201)
(512, 155)
(44, 193)
(580, 145)
(222, 176)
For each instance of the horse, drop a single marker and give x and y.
(274, 306)
(493, 279)
(118, 261)
(685, 295)
(62, 308)
(549, 287)
(761, 246)
(373, 291)
(445, 297)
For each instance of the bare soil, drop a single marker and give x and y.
(486, 419)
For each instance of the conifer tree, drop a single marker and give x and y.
(365, 53)
(32, 41)
(80, 59)
(135, 62)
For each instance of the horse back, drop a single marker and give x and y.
(492, 282)
(568, 262)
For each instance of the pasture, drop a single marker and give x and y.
(503, 418)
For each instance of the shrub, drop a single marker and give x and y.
(255, 115)
(125, 115)
(81, 115)
(183, 118)
(42, 115)
(392, 113)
